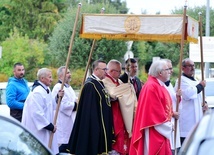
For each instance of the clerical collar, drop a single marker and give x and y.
(167, 83)
(191, 78)
(95, 77)
(65, 84)
(43, 85)
(39, 83)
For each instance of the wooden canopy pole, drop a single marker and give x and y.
(179, 76)
(66, 67)
(89, 59)
(88, 63)
(202, 57)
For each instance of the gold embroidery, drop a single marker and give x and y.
(105, 91)
(132, 24)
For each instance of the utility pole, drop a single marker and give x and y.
(207, 64)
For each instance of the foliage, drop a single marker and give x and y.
(3, 77)
(60, 40)
(120, 6)
(19, 48)
(77, 78)
(193, 12)
(35, 18)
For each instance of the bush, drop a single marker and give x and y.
(3, 78)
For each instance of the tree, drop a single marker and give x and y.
(18, 48)
(60, 40)
(193, 12)
(35, 18)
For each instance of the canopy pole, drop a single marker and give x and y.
(64, 75)
(88, 63)
(179, 76)
(202, 57)
(89, 58)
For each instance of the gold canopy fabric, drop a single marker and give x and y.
(167, 28)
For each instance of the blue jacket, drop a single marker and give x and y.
(16, 92)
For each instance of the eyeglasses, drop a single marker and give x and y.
(116, 71)
(189, 66)
(168, 69)
(104, 69)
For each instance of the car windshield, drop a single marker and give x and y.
(16, 140)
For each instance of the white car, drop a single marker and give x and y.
(200, 140)
(209, 92)
(4, 109)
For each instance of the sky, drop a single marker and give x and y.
(164, 6)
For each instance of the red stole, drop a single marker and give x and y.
(122, 140)
(154, 108)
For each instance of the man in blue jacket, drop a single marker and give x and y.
(17, 91)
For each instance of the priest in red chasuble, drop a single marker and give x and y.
(152, 126)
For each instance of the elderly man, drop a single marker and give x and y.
(191, 103)
(112, 83)
(152, 124)
(38, 112)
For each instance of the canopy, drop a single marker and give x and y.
(166, 28)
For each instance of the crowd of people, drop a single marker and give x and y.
(115, 114)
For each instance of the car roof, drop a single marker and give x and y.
(203, 131)
(3, 85)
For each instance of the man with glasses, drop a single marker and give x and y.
(152, 124)
(122, 140)
(92, 131)
(191, 104)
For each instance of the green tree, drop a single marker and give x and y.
(193, 12)
(35, 18)
(18, 48)
(60, 40)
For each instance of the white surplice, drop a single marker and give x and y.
(66, 115)
(174, 100)
(38, 112)
(190, 107)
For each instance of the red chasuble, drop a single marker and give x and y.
(154, 108)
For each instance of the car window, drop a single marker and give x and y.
(14, 139)
(209, 88)
(2, 96)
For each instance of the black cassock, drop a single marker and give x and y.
(92, 132)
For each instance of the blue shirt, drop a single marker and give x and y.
(16, 92)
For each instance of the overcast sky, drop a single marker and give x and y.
(164, 6)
